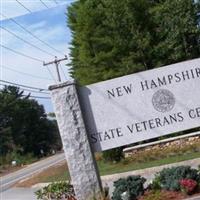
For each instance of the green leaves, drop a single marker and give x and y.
(59, 190)
(115, 38)
(24, 125)
(103, 34)
(132, 187)
(169, 178)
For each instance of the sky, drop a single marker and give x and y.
(47, 24)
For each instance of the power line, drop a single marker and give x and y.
(29, 90)
(30, 57)
(27, 74)
(51, 74)
(56, 62)
(63, 72)
(26, 86)
(55, 2)
(26, 41)
(45, 5)
(23, 6)
(32, 96)
(36, 97)
(22, 54)
(25, 29)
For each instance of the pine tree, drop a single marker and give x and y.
(178, 32)
(114, 38)
(110, 38)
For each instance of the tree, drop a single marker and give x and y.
(114, 38)
(177, 30)
(6, 141)
(24, 124)
(110, 38)
(7, 101)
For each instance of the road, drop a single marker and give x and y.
(9, 180)
(149, 173)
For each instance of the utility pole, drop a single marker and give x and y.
(56, 62)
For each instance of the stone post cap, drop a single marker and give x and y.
(63, 84)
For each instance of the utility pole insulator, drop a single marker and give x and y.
(56, 62)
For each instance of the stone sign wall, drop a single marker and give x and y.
(122, 111)
(141, 106)
(182, 143)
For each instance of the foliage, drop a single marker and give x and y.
(115, 38)
(155, 195)
(64, 190)
(133, 185)
(169, 178)
(156, 184)
(188, 185)
(104, 195)
(15, 156)
(6, 140)
(178, 33)
(113, 155)
(169, 151)
(59, 190)
(108, 37)
(24, 126)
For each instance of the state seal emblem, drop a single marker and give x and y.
(163, 100)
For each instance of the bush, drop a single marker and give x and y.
(64, 191)
(169, 178)
(113, 155)
(18, 157)
(133, 185)
(155, 195)
(156, 183)
(59, 190)
(188, 185)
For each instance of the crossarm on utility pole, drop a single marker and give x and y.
(56, 62)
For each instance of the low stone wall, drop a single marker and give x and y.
(162, 145)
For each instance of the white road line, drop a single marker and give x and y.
(31, 173)
(50, 159)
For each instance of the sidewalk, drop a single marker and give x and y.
(19, 194)
(28, 193)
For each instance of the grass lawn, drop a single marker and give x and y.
(60, 172)
(109, 168)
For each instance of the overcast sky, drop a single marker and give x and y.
(47, 24)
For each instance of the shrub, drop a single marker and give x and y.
(113, 155)
(188, 185)
(199, 169)
(59, 190)
(133, 185)
(169, 178)
(64, 191)
(18, 157)
(155, 195)
(98, 156)
(156, 183)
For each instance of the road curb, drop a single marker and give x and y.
(194, 198)
(194, 163)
